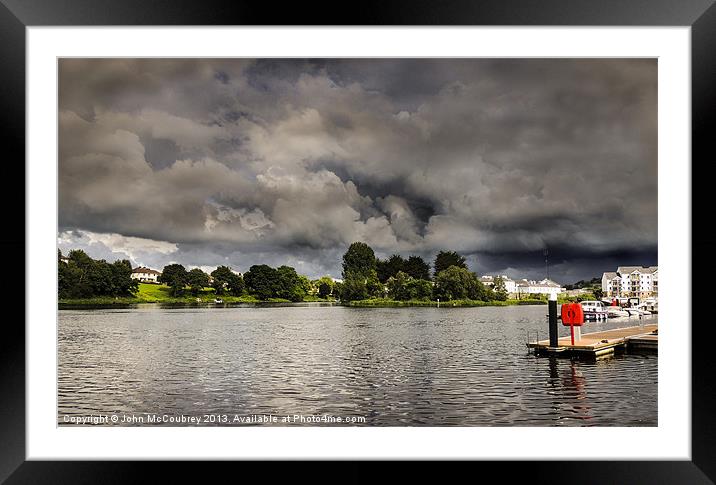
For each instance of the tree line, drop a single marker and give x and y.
(364, 276)
(80, 276)
(261, 281)
(83, 277)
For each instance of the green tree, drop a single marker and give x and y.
(455, 283)
(416, 267)
(477, 291)
(95, 277)
(197, 280)
(404, 287)
(382, 270)
(290, 286)
(499, 288)
(353, 287)
(445, 259)
(420, 289)
(262, 280)
(174, 276)
(225, 280)
(389, 268)
(69, 281)
(305, 285)
(83, 272)
(399, 286)
(373, 287)
(359, 260)
(360, 278)
(324, 289)
(325, 286)
(122, 281)
(84, 277)
(337, 289)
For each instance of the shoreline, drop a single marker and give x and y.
(150, 294)
(127, 302)
(383, 303)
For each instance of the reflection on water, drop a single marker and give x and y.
(393, 366)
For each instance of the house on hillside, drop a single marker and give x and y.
(146, 275)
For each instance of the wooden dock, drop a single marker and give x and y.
(597, 344)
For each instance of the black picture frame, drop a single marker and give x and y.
(16, 15)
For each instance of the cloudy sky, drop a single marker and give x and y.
(288, 161)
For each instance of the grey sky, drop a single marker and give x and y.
(240, 162)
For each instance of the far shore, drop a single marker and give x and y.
(383, 303)
(160, 295)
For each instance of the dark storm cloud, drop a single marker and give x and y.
(225, 161)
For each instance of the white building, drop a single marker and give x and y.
(510, 285)
(531, 287)
(632, 281)
(145, 275)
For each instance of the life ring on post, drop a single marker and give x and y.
(572, 314)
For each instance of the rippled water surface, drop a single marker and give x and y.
(392, 366)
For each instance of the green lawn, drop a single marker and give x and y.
(149, 293)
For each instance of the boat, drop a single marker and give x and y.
(594, 310)
(640, 312)
(651, 305)
(218, 300)
(616, 312)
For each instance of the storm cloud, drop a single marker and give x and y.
(241, 161)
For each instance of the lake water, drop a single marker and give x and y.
(386, 366)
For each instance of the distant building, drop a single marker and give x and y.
(531, 287)
(631, 281)
(145, 275)
(510, 285)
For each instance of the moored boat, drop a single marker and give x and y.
(615, 312)
(594, 310)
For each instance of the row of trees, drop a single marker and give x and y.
(415, 266)
(80, 276)
(365, 276)
(261, 280)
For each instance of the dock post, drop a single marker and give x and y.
(553, 320)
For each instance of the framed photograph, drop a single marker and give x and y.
(430, 233)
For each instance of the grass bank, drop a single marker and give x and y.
(149, 293)
(381, 302)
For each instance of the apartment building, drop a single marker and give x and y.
(631, 281)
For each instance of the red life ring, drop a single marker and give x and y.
(572, 314)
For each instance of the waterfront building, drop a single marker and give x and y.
(531, 287)
(510, 285)
(631, 281)
(145, 275)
